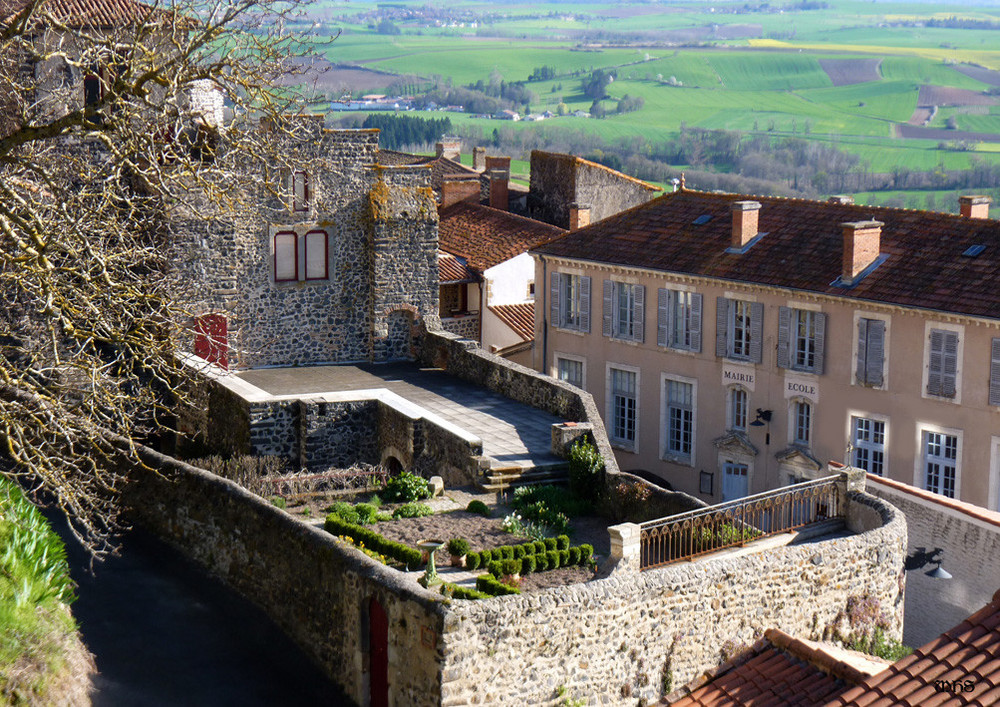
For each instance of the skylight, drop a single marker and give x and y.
(703, 219)
(974, 251)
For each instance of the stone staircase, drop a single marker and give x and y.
(500, 477)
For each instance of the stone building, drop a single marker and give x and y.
(736, 343)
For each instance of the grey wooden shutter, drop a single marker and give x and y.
(756, 331)
(663, 309)
(609, 303)
(784, 324)
(820, 358)
(585, 303)
(696, 323)
(875, 358)
(995, 372)
(934, 362)
(949, 362)
(639, 314)
(721, 326)
(554, 300)
(861, 365)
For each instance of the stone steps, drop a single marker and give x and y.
(504, 478)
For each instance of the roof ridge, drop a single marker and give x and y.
(584, 160)
(815, 656)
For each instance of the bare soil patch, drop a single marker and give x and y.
(326, 76)
(845, 72)
(979, 73)
(947, 96)
(920, 116)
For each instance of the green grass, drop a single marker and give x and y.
(759, 71)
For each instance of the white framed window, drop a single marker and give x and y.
(570, 369)
(994, 487)
(623, 405)
(315, 244)
(569, 304)
(868, 441)
(678, 324)
(870, 352)
(940, 457)
(300, 190)
(286, 256)
(678, 418)
(801, 339)
(624, 310)
(994, 391)
(801, 422)
(739, 329)
(943, 361)
(737, 408)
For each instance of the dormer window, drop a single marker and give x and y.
(300, 190)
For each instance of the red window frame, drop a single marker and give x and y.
(304, 205)
(295, 253)
(325, 258)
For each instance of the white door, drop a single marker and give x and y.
(734, 481)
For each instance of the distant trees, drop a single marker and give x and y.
(387, 27)
(628, 103)
(595, 86)
(542, 73)
(399, 130)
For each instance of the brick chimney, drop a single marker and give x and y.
(498, 173)
(862, 244)
(842, 199)
(974, 206)
(450, 147)
(579, 216)
(458, 190)
(479, 159)
(744, 223)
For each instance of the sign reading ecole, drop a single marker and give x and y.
(739, 375)
(801, 387)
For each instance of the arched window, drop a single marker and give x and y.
(738, 407)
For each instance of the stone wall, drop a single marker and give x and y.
(617, 640)
(467, 326)
(969, 538)
(338, 434)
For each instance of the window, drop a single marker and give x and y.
(871, 351)
(869, 445)
(300, 191)
(316, 262)
(940, 463)
(942, 364)
(995, 372)
(680, 419)
(801, 337)
(623, 406)
(738, 409)
(801, 423)
(739, 329)
(678, 324)
(570, 301)
(570, 370)
(286, 256)
(624, 310)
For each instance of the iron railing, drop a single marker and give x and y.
(699, 532)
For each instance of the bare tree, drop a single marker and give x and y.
(113, 114)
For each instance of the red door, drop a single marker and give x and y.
(211, 340)
(378, 641)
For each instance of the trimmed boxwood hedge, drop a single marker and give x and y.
(553, 559)
(562, 542)
(574, 556)
(405, 554)
(490, 585)
(527, 564)
(458, 592)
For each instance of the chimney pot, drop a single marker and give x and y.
(449, 147)
(454, 191)
(842, 199)
(745, 221)
(579, 216)
(862, 246)
(479, 159)
(974, 206)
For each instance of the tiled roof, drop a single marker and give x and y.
(85, 13)
(442, 168)
(598, 165)
(452, 269)
(968, 655)
(778, 670)
(488, 236)
(802, 249)
(519, 317)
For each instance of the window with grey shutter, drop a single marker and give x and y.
(609, 304)
(721, 326)
(756, 331)
(942, 362)
(995, 372)
(820, 336)
(554, 319)
(696, 323)
(585, 303)
(871, 351)
(784, 329)
(639, 313)
(663, 309)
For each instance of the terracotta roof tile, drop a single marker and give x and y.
(802, 249)
(487, 236)
(86, 13)
(452, 269)
(519, 317)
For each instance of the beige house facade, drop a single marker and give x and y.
(738, 344)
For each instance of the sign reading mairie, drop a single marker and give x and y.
(739, 375)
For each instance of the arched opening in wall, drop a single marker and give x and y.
(378, 653)
(393, 465)
(400, 324)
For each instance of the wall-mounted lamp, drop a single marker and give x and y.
(763, 416)
(921, 557)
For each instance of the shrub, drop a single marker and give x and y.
(528, 564)
(550, 544)
(518, 552)
(494, 587)
(585, 468)
(375, 500)
(485, 556)
(496, 568)
(539, 546)
(458, 547)
(507, 552)
(406, 487)
(404, 554)
(367, 513)
(574, 556)
(563, 558)
(457, 592)
(478, 507)
(562, 542)
(552, 557)
(511, 567)
(472, 561)
(541, 562)
(344, 511)
(529, 549)
(278, 502)
(412, 510)
(586, 552)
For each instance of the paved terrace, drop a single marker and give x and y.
(513, 434)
